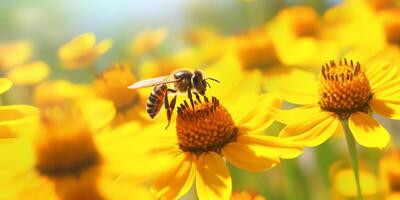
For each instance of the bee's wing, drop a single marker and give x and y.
(153, 82)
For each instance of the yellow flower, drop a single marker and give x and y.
(81, 51)
(365, 30)
(344, 185)
(148, 40)
(29, 74)
(295, 33)
(188, 58)
(390, 174)
(244, 195)
(113, 84)
(380, 5)
(15, 53)
(67, 160)
(59, 91)
(255, 48)
(345, 91)
(201, 35)
(13, 116)
(97, 112)
(205, 138)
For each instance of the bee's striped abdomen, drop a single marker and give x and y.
(156, 100)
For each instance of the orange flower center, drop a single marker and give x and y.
(391, 21)
(64, 148)
(302, 20)
(255, 48)
(208, 128)
(380, 5)
(344, 88)
(112, 84)
(394, 180)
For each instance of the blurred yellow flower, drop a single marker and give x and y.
(345, 91)
(344, 185)
(15, 53)
(201, 35)
(11, 116)
(82, 51)
(365, 30)
(56, 92)
(390, 174)
(96, 111)
(295, 33)
(380, 5)
(204, 139)
(188, 58)
(244, 195)
(29, 74)
(112, 84)
(148, 40)
(254, 48)
(67, 160)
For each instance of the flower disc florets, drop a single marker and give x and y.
(344, 88)
(206, 128)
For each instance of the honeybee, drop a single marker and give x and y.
(183, 80)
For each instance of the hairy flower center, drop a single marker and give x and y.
(344, 88)
(208, 128)
(65, 147)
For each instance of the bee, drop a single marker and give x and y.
(183, 80)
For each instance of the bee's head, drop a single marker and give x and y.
(200, 83)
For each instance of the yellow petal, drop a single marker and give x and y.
(269, 145)
(230, 83)
(380, 73)
(58, 92)
(178, 179)
(5, 84)
(78, 46)
(257, 117)
(103, 46)
(292, 115)
(389, 109)
(15, 53)
(297, 51)
(147, 40)
(313, 130)
(367, 131)
(29, 74)
(97, 112)
(388, 90)
(115, 146)
(112, 190)
(17, 114)
(300, 90)
(212, 179)
(244, 157)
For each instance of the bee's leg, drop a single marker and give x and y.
(170, 111)
(197, 97)
(169, 106)
(191, 98)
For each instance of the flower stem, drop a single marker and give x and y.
(351, 145)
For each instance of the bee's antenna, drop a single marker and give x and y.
(213, 80)
(207, 84)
